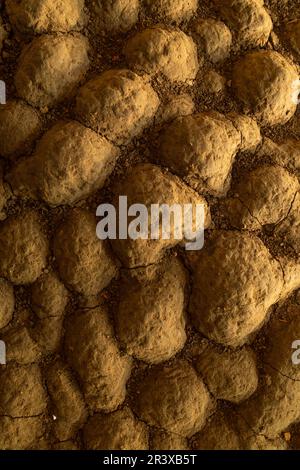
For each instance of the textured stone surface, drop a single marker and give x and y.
(151, 320)
(263, 83)
(163, 51)
(50, 68)
(46, 16)
(173, 398)
(118, 104)
(118, 431)
(245, 290)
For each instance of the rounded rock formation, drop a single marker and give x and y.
(163, 51)
(246, 290)
(46, 16)
(173, 398)
(117, 431)
(84, 262)
(263, 82)
(118, 104)
(50, 68)
(150, 320)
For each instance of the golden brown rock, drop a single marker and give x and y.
(93, 353)
(229, 375)
(116, 16)
(22, 392)
(248, 19)
(68, 405)
(23, 248)
(20, 124)
(163, 51)
(84, 262)
(117, 431)
(264, 196)
(50, 68)
(263, 83)
(174, 11)
(118, 104)
(150, 320)
(7, 302)
(49, 296)
(201, 148)
(69, 163)
(148, 184)
(46, 16)
(231, 295)
(173, 398)
(214, 39)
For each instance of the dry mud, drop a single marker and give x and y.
(140, 344)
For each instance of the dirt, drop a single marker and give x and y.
(140, 344)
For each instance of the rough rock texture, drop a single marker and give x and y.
(163, 51)
(46, 16)
(116, 15)
(293, 36)
(7, 302)
(148, 184)
(20, 433)
(93, 353)
(118, 104)
(249, 129)
(263, 83)
(289, 228)
(229, 375)
(265, 196)
(174, 11)
(217, 434)
(276, 405)
(89, 267)
(173, 398)
(162, 440)
(150, 320)
(49, 296)
(23, 248)
(31, 399)
(69, 163)
(245, 290)
(117, 431)
(20, 346)
(214, 39)
(201, 148)
(50, 68)
(177, 105)
(68, 406)
(20, 124)
(248, 19)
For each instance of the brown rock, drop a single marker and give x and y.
(231, 295)
(20, 124)
(263, 83)
(23, 248)
(150, 320)
(173, 398)
(50, 68)
(163, 51)
(84, 262)
(118, 104)
(93, 353)
(116, 431)
(46, 16)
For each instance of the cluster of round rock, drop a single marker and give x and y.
(234, 279)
